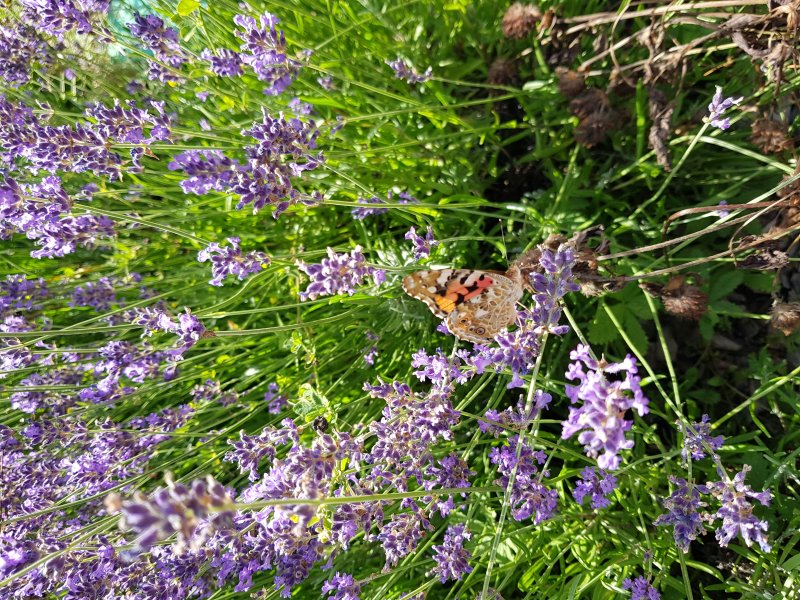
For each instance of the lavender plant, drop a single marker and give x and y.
(317, 435)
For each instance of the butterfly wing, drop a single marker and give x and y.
(475, 304)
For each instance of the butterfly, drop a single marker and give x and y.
(475, 305)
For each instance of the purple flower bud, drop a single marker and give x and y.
(452, 559)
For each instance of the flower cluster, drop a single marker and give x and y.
(403, 70)
(164, 44)
(338, 274)
(697, 439)
(641, 589)
(718, 107)
(230, 261)
(422, 245)
(20, 48)
(223, 62)
(263, 49)
(514, 419)
(342, 586)
(529, 496)
(683, 512)
(597, 485)
(362, 213)
(276, 401)
(207, 170)
(452, 559)
(58, 17)
(600, 418)
(187, 327)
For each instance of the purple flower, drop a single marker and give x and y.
(529, 496)
(174, 509)
(370, 353)
(641, 589)
(403, 70)
(683, 515)
(300, 108)
(57, 17)
(20, 48)
(697, 439)
(452, 559)
(264, 50)
(363, 213)
(719, 106)
(275, 401)
(600, 418)
(163, 42)
(338, 274)
(549, 287)
(224, 62)
(401, 536)
(422, 245)
(439, 369)
(207, 170)
(452, 472)
(230, 261)
(594, 484)
(343, 586)
(736, 511)
(249, 451)
(18, 293)
(99, 295)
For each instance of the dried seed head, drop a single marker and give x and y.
(594, 128)
(570, 83)
(502, 72)
(520, 19)
(770, 136)
(591, 100)
(785, 317)
(680, 299)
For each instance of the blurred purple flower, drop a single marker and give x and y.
(697, 439)
(363, 213)
(451, 558)
(99, 295)
(598, 485)
(229, 260)
(276, 402)
(163, 42)
(641, 589)
(422, 245)
(401, 536)
(452, 472)
(718, 107)
(514, 419)
(20, 48)
(18, 293)
(58, 17)
(403, 70)
(341, 587)
(600, 418)
(338, 274)
(682, 506)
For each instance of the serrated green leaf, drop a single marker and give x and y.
(723, 284)
(187, 7)
(601, 329)
(707, 325)
(310, 403)
(634, 330)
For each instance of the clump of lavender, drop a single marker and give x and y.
(641, 589)
(20, 48)
(736, 511)
(163, 42)
(18, 293)
(188, 327)
(174, 509)
(342, 586)
(683, 512)
(422, 244)
(207, 170)
(403, 70)
(529, 496)
(338, 274)
(452, 559)
(697, 439)
(600, 418)
(230, 260)
(718, 107)
(597, 485)
(276, 401)
(263, 49)
(59, 17)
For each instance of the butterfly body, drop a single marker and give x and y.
(475, 305)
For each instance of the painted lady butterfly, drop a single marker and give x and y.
(475, 305)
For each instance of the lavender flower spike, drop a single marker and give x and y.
(338, 274)
(452, 559)
(230, 261)
(641, 589)
(697, 438)
(737, 513)
(718, 106)
(422, 244)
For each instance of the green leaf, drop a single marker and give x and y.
(633, 329)
(722, 285)
(187, 7)
(310, 403)
(601, 329)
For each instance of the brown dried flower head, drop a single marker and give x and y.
(770, 136)
(785, 317)
(680, 299)
(502, 72)
(570, 83)
(520, 19)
